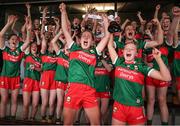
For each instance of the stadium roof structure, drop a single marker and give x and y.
(147, 7)
(10, 2)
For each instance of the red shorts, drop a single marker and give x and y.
(11, 83)
(47, 80)
(30, 85)
(178, 83)
(103, 94)
(156, 83)
(130, 114)
(61, 85)
(80, 95)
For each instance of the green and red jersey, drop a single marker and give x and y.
(62, 67)
(32, 60)
(102, 78)
(129, 81)
(11, 61)
(176, 61)
(48, 61)
(170, 50)
(164, 55)
(140, 46)
(82, 65)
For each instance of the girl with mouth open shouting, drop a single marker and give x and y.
(129, 81)
(10, 75)
(82, 62)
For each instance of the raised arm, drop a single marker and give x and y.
(143, 22)
(106, 65)
(43, 20)
(102, 44)
(27, 41)
(37, 37)
(112, 52)
(57, 21)
(13, 25)
(124, 24)
(172, 35)
(54, 41)
(159, 40)
(157, 11)
(23, 29)
(10, 20)
(64, 24)
(43, 44)
(163, 74)
(140, 17)
(28, 6)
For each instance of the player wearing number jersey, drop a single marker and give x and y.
(82, 62)
(129, 81)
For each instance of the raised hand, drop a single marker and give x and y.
(155, 21)
(16, 18)
(138, 13)
(36, 32)
(28, 5)
(56, 20)
(45, 9)
(156, 53)
(176, 11)
(158, 7)
(11, 19)
(105, 19)
(147, 31)
(127, 20)
(62, 7)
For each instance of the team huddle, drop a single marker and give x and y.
(83, 65)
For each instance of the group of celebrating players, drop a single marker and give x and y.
(74, 66)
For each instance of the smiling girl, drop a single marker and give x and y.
(129, 81)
